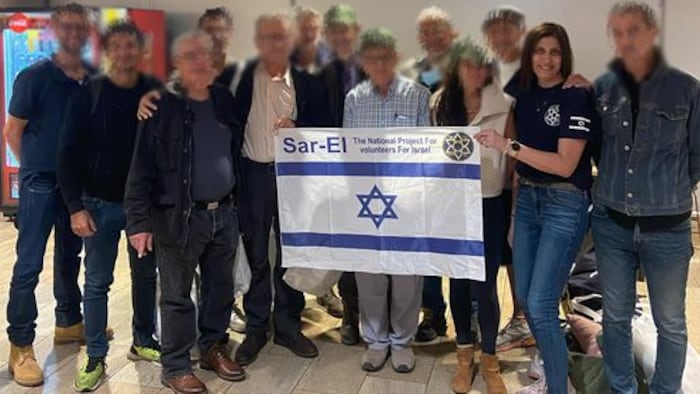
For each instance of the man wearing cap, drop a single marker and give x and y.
(386, 100)
(342, 74)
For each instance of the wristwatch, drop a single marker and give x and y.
(513, 148)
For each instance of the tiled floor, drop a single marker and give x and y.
(336, 370)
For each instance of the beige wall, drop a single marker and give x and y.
(584, 20)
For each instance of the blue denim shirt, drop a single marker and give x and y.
(653, 171)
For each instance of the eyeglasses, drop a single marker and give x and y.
(79, 27)
(379, 59)
(194, 55)
(272, 37)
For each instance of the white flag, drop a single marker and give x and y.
(395, 201)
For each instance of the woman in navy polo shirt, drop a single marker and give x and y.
(553, 179)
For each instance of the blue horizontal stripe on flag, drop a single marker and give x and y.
(387, 243)
(426, 170)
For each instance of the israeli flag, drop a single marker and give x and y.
(403, 201)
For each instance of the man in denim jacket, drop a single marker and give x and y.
(648, 168)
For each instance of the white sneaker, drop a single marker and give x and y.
(536, 369)
(515, 334)
(238, 322)
(539, 387)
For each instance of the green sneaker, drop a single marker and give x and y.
(90, 376)
(149, 353)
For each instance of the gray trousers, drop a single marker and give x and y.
(383, 325)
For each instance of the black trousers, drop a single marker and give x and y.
(258, 214)
(211, 244)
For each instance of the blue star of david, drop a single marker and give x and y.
(366, 212)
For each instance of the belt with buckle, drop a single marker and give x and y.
(553, 185)
(211, 205)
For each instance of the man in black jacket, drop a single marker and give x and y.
(271, 95)
(339, 77)
(181, 193)
(97, 140)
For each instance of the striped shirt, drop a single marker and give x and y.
(406, 105)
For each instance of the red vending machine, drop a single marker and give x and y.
(27, 38)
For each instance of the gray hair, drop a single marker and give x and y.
(278, 16)
(504, 13)
(434, 14)
(640, 8)
(204, 38)
(305, 12)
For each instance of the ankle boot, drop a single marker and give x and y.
(491, 371)
(23, 366)
(462, 381)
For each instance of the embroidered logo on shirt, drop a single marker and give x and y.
(579, 123)
(458, 146)
(552, 117)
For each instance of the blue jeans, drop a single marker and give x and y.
(664, 257)
(549, 226)
(211, 244)
(100, 256)
(41, 208)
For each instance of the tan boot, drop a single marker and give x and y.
(23, 366)
(491, 371)
(75, 333)
(462, 381)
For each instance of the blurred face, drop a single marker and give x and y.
(379, 64)
(342, 39)
(274, 41)
(503, 38)
(309, 30)
(194, 63)
(71, 31)
(546, 61)
(435, 37)
(220, 31)
(472, 75)
(123, 52)
(632, 38)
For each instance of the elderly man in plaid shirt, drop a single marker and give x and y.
(386, 100)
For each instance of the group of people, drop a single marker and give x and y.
(196, 169)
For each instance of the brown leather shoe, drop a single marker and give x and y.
(218, 359)
(185, 384)
(75, 334)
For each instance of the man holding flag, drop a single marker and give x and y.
(386, 100)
